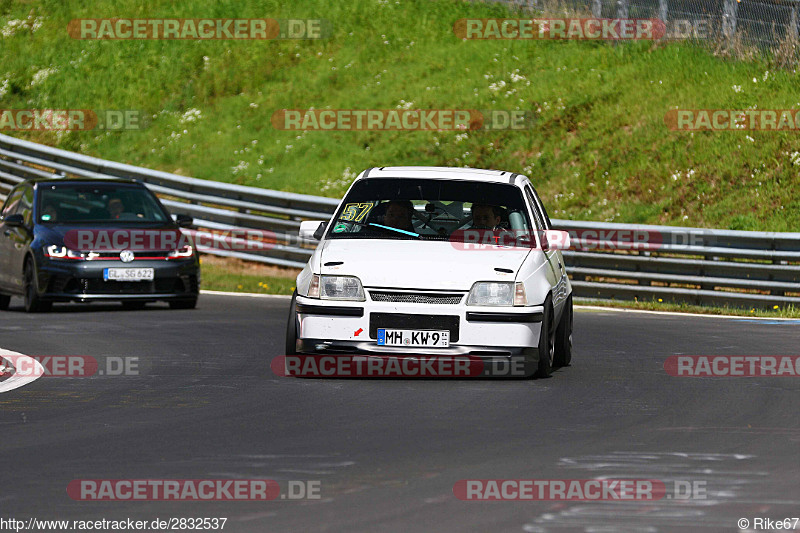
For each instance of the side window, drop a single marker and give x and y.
(10, 207)
(26, 205)
(535, 208)
(541, 206)
(538, 207)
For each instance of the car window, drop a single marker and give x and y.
(10, 207)
(26, 205)
(540, 223)
(541, 207)
(101, 202)
(397, 208)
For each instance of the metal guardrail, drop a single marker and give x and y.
(765, 23)
(607, 260)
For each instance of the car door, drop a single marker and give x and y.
(6, 242)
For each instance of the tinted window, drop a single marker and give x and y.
(26, 205)
(12, 202)
(102, 202)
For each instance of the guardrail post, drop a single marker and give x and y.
(597, 8)
(662, 10)
(730, 10)
(622, 9)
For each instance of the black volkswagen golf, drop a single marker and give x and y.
(88, 240)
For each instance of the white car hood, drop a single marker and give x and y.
(413, 264)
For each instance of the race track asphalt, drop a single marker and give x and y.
(387, 453)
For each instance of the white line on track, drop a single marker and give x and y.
(247, 294)
(674, 313)
(581, 307)
(16, 381)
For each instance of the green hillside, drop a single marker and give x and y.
(598, 150)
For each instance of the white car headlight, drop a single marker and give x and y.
(181, 253)
(61, 252)
(495, 293)
(340, 288)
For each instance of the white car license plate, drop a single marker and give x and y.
(128, 274)
(414, 337)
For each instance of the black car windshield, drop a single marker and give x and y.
(77, 203)
(428, 209)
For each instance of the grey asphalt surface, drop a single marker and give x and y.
(388, 452)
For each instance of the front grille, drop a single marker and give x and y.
(165, 285)
(416, 298)
(406, 321)
(137, 256)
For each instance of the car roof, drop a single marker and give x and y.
(447, 173)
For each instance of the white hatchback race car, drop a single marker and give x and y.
(436, 262)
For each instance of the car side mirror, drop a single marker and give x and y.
(14, 221)
(312, 229)
(184, 221)
(554, 239)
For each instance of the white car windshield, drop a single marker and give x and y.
(397, 208)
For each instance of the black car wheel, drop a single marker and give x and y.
(291, 328)
(33, 303)
(546, 342)
(563, 350)
(4, 301)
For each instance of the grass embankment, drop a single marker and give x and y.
(599, 149)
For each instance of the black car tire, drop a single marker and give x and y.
(291, 328)
(183, 304)
(4, 301)
(546, 342)
(563, 348)
(33, 303)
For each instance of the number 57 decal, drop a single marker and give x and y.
(355, 212)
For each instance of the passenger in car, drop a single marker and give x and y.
(485, 216)
(50, 213)
(398, 215)
(115, 207)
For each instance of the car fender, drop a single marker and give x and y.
(537, 276)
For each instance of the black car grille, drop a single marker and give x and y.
(416, 297)
(99, 286)
(137, 256)
(68, 285)
(406, 321)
